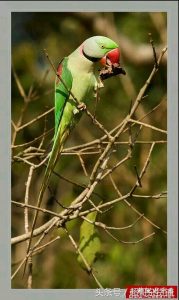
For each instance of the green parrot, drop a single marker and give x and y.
(78, 73)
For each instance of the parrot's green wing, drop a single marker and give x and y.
(61, 93)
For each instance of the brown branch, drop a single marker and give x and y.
(36, 119)
(148, 126)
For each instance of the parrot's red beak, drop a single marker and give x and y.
(113, 57)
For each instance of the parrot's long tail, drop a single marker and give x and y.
(54, 155)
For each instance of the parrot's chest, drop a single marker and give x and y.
(82, 89)
(83, 86)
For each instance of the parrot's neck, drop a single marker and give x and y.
(80, 61)
(92, 59)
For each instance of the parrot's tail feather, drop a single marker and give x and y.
(50, 166)
(53, 157)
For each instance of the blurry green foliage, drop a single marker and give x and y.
(89, 244)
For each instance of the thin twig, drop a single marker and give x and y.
(88, 268)
(154, 51)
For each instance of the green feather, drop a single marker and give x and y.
(61, 93)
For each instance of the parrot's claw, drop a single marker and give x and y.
(81, 106)
(100, 84)
(75, 111)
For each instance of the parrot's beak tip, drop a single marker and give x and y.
(112, 57)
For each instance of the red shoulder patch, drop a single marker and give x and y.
(59, 72)
(59, 69)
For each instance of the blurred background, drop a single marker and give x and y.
(60, 34)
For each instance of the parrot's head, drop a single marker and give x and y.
(98, 47)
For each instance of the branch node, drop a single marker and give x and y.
(154, 51)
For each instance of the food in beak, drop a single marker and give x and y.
(111, 63)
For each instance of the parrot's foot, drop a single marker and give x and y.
(75, 111)
(100, 84)
(81, 106)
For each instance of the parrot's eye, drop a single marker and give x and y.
(102, 46)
